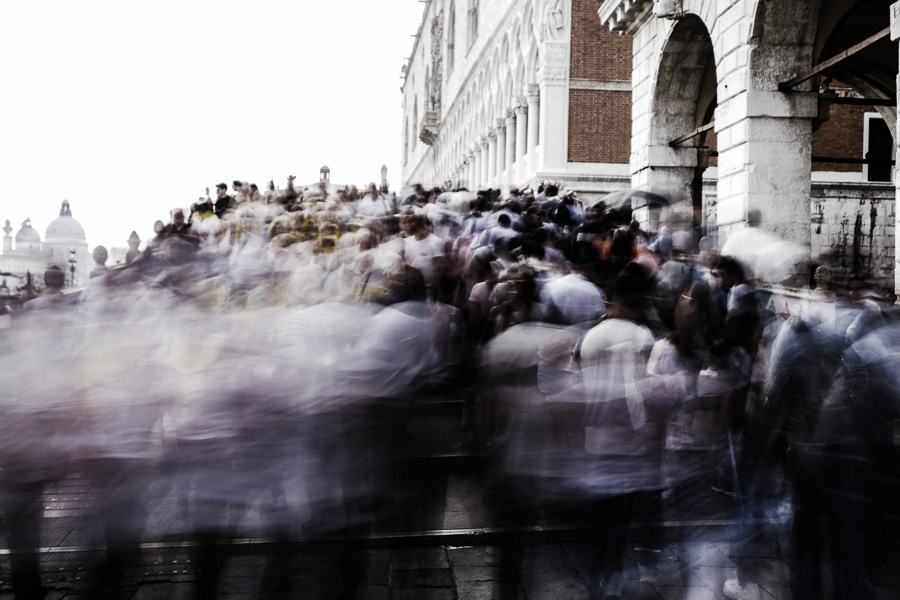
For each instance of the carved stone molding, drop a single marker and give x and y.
(555, 55)
(668, 9)
(431, 127)
(624, 15)
(554, 21)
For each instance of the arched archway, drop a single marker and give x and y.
(683, 103)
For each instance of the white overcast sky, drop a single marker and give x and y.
(131, 108)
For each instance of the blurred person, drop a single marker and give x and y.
(33, 444)
(572, 298)
(421, 248)
(375, 203)
(625, 420)
(224, 203)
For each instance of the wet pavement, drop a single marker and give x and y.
(437, 541)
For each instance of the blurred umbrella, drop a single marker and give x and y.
(764, 256)
(627, 199)
(461, 199)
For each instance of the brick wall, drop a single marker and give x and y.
(597, 53)
(599, 126)
(841, 136)
(599, 119)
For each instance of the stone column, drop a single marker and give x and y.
(510, 143)
(553, 123)
(895, 36)
(476, 171)
(534, 105)
(492, 157)
(521, 138)
(485, 162)
(765, 161)
(501, 151)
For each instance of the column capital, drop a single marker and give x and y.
(521, 107)
(501, 124)
(510, 118)
(491, 135)
(533, 93)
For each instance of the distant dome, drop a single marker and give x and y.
(64, 226)
(27, 235)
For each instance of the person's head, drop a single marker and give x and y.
(236, 185)
(551, 190)
(372, 188)
(729, 271)
(629, 290)
(54, 278)
(100, 255)
(504, 221)
(822, 277)
(221, 190)
(178, 216)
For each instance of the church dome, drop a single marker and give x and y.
(27, 236)
(64, 226)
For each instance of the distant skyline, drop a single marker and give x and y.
(129, 110)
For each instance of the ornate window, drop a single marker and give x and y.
(473, 21)
(451, 36)
(406, 141)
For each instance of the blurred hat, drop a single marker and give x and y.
(221, 186)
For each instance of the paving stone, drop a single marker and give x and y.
(376, 592)
(780, 593)
(457, 520)
(466, 556)
(422, 578)
(310, 588)
(713, 578)
(685, 593)
(419, 558)
(239, 585)
(769, 573)
(668, 573)
(474, 574)
(544, 588)
(476, 590)
(547, 559)
(164, 591)
(703, 554)
(422, 594)
(246, 566)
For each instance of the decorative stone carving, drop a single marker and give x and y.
(555, 55)
(133, 242)
(668, 9)
(554, 21)
(100, 255)
(437, 57)
(431, 126)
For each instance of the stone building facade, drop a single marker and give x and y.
(64, 245)
(767, 112)
(506, 93)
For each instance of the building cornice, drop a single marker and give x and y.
(624, 16)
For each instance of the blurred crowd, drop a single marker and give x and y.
(266, 347)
